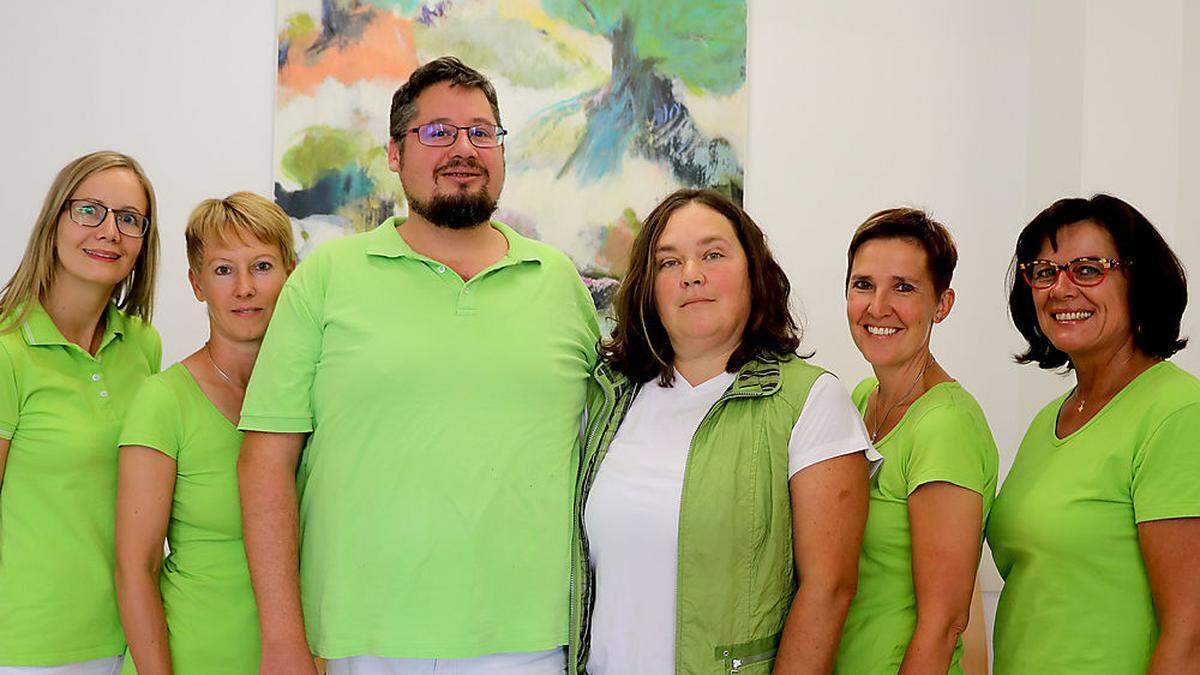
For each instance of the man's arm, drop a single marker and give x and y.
(270, 524)
(829, 512)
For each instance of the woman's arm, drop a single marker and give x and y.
(1170, 549)
(829, 511)
(3, 458)
(945, 522)
(975, 648)
(144, 493)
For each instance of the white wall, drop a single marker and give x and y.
(982, 112)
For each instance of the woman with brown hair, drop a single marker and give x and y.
(723, 485)
(75, 344)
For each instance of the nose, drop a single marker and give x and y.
(1063, 286)
(244, 285)
(691, 274)
(107, 229)
(462, 146)
(879, 304)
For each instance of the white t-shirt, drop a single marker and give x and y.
(632, 512)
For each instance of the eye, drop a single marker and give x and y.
(223, 270)
(714, 255)
(436, 131)
(482, 131)
(1087, 270)
(126, 218)
(263, 266)
(905, 287)
(1044, 271)
(86, 209)
(667, 262)
(860, 284)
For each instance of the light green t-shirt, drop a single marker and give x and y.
(943, 437)
(435, 489)
(1064, 531)
(205, 583)
(61, 410)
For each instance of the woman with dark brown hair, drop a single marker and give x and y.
(723, 486)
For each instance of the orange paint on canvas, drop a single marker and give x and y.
(385, 51)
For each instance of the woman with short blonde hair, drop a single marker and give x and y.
(194, 612)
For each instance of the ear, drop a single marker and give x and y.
(195, 286)
(945, 304)
(393, 154)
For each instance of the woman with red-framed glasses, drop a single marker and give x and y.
(1096, 529)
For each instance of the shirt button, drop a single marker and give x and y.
(104, 394)
(441, 269)
(95, 377)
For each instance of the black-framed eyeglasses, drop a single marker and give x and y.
(1082, 271)
(89, 213)
(442, 134)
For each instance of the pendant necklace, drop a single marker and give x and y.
(224, 375)
(887, 413)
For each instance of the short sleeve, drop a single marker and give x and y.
(946, 449)
(1166, 469)
(10, 405)
(829, 426)
(279, 394)
(153, 419)
(591, 321)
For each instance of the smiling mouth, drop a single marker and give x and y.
(882, 331)
(107, 256)
(1071, 316)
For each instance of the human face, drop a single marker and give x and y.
(458, 174)
(240, 282)
(1081, 320)
(101, 256)
(891, 302)
(701, 282)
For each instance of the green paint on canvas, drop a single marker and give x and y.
(322, 149)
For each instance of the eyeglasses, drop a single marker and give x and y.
(90, 214)
(1082, 271)
(441, 134)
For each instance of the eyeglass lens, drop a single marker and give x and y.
(1043, 274)
(438, 134)
(91, 214)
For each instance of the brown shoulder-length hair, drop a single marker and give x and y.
(640, 348)
(35, 275)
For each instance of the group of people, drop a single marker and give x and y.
(414, 452)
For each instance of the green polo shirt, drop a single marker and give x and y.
(1064, 531)
(435, 487)
(61, 409)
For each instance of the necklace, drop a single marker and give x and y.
(1082, 402)
(879, 423)
(224, 375)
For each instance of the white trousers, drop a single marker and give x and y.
(106, 666)
(551, 662)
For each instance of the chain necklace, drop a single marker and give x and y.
(880, 423)
(224, 375)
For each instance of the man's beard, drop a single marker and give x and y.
(455, 212)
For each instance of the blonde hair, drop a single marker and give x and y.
(234, 218)
(35, 275)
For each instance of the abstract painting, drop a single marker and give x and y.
(610, 106)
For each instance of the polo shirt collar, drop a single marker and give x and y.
(386, 241)
(39, 328)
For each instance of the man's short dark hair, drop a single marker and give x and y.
(1157, 283)
(444, 69)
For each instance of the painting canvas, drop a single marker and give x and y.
(610, 106)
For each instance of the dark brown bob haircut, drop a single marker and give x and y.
(941, 256)
(444, 69)
(1157, 282)
(640, 348)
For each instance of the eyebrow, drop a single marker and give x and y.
(110, 208)
(703, 242)
(473, 120)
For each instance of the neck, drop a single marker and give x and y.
(235, 358)
(463, 247)
(1100, 375)
(77, 309)
(901, 381)
(700, 364)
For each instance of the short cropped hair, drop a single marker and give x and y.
(640, 347)
(1157, 282)
(444, 69)
(941, 256)
(237, 218)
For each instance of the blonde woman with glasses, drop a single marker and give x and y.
(194, 613)
(75, 344)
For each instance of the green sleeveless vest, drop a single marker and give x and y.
(736, 575)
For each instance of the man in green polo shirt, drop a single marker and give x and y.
(412, 422)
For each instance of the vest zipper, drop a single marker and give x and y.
(736, 665)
